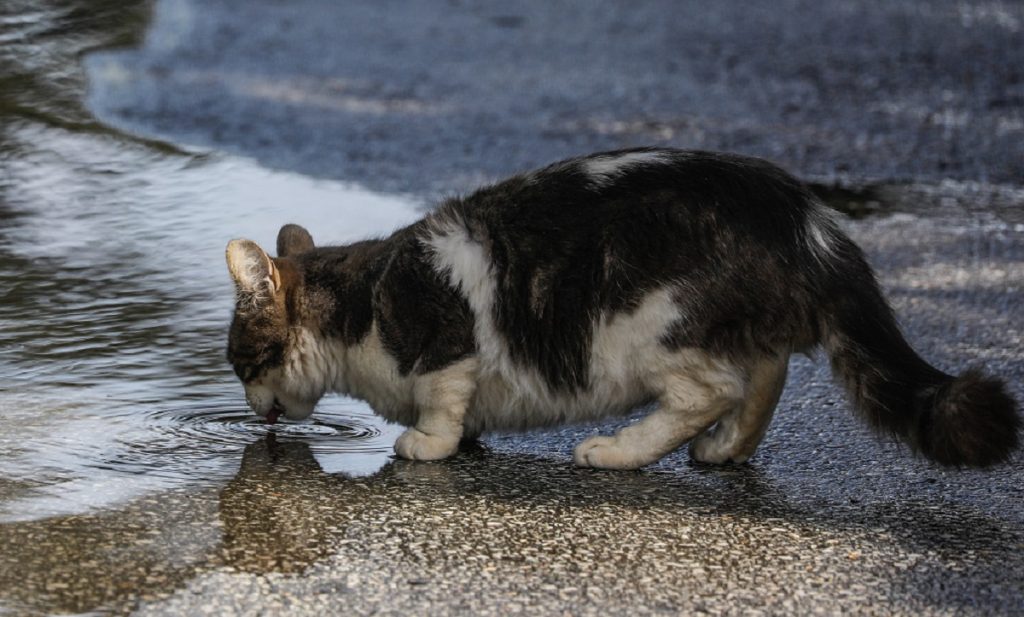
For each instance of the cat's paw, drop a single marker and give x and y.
(705, 448)
(606, 452)
(416, 445)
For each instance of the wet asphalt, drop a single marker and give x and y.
(922, 101)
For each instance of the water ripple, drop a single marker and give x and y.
(178, 443)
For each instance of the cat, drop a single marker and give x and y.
(589, 288)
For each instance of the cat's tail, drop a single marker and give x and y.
(967, 420)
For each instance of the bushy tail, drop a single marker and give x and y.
(966, 420)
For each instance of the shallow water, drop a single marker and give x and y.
(116, 297)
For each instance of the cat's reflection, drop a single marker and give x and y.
(282, 512)
(280, 508)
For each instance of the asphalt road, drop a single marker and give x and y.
(924, 98)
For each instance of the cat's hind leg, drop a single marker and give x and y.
(441, 399)
(689, 403)
(737, 434)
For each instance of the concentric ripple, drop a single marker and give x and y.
(201, 443)
(229, 425)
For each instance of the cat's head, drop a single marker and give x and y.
(265, 342)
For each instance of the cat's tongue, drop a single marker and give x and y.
(273, 414)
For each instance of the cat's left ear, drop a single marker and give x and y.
(292, 240)
(253, 270)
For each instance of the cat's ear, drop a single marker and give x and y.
(256, 278)
(292, 240)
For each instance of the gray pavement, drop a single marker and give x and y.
(922, 99)
(436, 96)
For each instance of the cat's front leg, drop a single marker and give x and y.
(441, 398)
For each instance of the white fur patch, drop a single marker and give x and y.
(468, 269)
(821, 229)
(370, 373)
(604, 169)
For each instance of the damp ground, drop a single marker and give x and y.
(136, 139)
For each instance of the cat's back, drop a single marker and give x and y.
(622, 191)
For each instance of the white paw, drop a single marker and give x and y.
(706, 449)
(419, 446)
(606, 453)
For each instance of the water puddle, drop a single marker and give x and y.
(115, 305)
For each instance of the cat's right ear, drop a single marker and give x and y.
(292, 240)
(256, 278)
